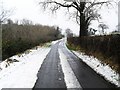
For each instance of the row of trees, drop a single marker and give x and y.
(91, 31)
(18, 37)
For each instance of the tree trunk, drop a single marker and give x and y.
(83, 26)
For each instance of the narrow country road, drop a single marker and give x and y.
(52, 74)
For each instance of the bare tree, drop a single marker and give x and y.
(68, 33)
(103, 27)
(85, 10)
(26, 22)
(4, 13)
(92, 31)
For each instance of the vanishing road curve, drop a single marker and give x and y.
(76, 74)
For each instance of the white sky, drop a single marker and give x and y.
(29, 9)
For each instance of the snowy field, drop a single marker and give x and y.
(23, 72)
(100, 68)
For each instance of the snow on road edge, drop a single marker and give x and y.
(69, 76)
(56, 41)
(23, 74)
(103, 70)
(96, 65)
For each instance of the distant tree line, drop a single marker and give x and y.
(16, 38)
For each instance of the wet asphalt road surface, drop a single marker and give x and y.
(50, 74)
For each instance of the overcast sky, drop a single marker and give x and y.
(29, 9)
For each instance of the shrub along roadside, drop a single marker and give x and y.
(105, 48)
(18, 38)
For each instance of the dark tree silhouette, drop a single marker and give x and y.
(68, 33)
(103, 27)
(4, 14)
(86, 10)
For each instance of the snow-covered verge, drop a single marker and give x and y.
(56, 41)
(69, 76)
(102, 69)
(20, 71)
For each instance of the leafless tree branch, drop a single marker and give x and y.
(86, 11)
